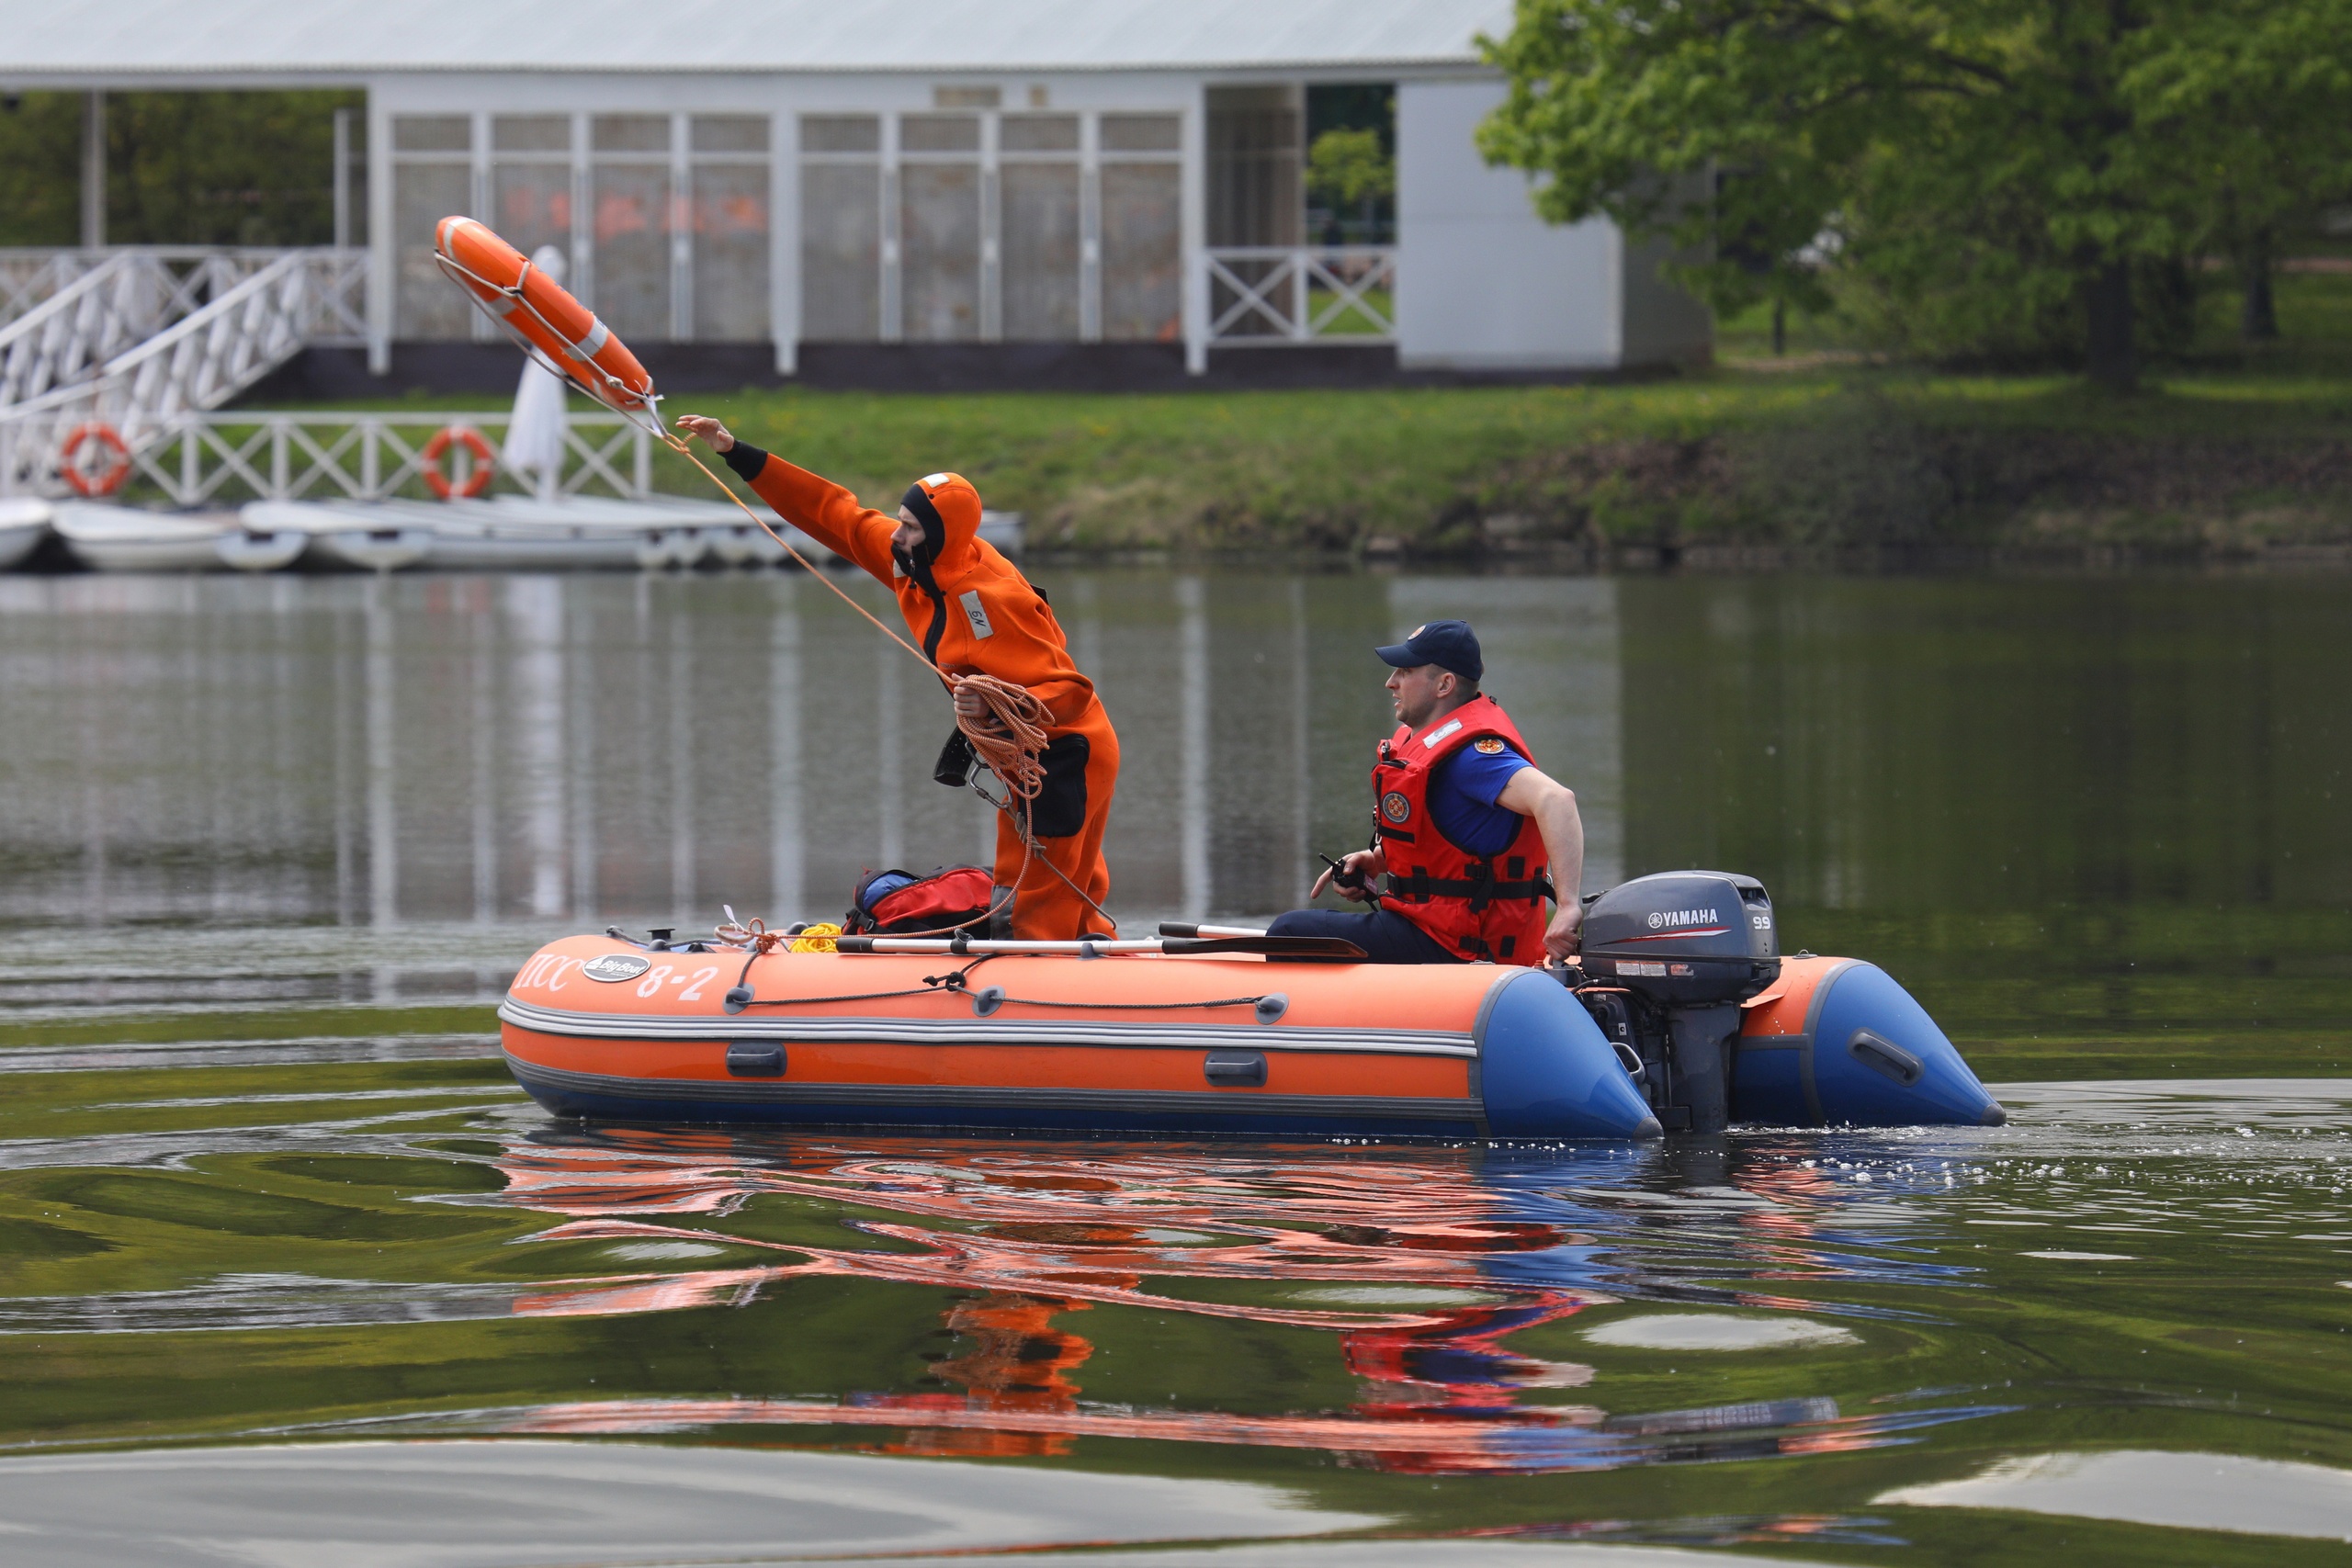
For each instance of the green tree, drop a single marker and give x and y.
(1348, 168)
(2262, 98)
(40, 179)
(182, 168)
(1998, 172)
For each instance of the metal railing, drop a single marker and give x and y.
(29, 276)
(139, 396)
(118, 301)
(1291, 294)
(200, 459)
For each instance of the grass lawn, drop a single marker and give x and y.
(1735, 452)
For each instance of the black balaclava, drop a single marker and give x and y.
(916, 563)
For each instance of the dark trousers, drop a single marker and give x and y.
(1386, 936)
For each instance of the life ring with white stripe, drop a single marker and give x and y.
(536, 312)
(108, 480)
(428, 462)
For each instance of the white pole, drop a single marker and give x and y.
(1193, 246)
(1193, 798)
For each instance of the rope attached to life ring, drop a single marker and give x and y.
(1009, 738)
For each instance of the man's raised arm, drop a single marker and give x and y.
(1534, 793)
(818, 507)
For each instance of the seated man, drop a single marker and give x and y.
(1464, 825)
(973, 613)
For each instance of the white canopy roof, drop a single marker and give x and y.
(105, 42)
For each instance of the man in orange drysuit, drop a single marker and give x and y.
(973, 613)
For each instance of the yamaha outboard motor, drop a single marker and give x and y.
(1687, 984)
(1688, 946)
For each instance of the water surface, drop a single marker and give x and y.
(291, 1271)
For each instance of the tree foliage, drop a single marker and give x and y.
(182, 168)
(1992, 175)
(1348, 168)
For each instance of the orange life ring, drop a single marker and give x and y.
(111, 478)
(540, 316)
(428, 462)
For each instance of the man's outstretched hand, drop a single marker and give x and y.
(709, 429)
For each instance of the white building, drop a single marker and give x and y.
(862, 190)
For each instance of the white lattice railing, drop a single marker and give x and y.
(29, 276)
(140, 396)
(114, 302)
(226, 459)
(1287, 294)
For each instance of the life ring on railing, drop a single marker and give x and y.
(109, 479)
(428, 462)
(538, 314)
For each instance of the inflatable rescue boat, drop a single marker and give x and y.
(1680, 1018)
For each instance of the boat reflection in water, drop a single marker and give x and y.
(1421, 1266)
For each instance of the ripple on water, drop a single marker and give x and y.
(1716, 1331)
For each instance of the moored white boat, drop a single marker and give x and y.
(482, 536)
(128, 538)
(1004, 530)
(245, 547)
(349, 534)
(665, 534)
(746, 544)
(24, 522)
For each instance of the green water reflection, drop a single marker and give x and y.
(1756, 1341)
(268, 851)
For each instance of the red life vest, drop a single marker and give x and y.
(1472, 905)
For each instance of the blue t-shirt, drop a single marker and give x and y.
(1461, 798)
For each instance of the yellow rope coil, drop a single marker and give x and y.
(816, 938)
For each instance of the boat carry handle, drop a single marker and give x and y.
(754, 1059)
(1235, 1069)
(1883, 1056)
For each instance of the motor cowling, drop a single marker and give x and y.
(1684, 938)
(1688, 947)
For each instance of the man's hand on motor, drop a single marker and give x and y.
(1565, 935)
(1365, 865)
(710, 430)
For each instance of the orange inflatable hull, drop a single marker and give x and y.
(1142, 1043)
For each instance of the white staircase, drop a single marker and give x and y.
(117, 356)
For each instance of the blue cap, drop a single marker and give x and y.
(1448, 645)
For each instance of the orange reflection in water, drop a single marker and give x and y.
(1385, 1251)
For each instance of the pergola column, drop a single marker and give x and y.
(94, 170)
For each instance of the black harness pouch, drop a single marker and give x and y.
(1060, 809)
